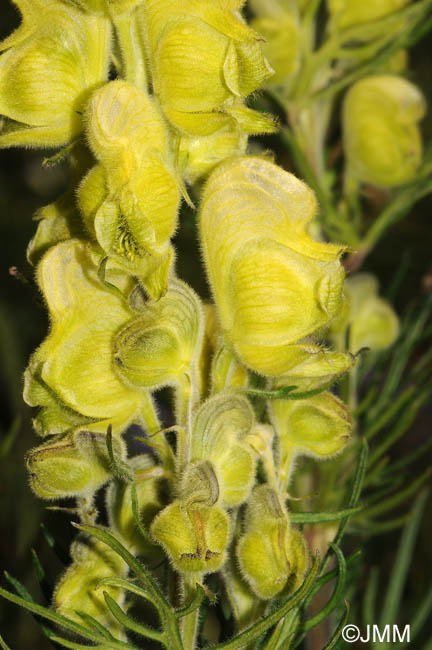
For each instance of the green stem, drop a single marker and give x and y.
(189, 623)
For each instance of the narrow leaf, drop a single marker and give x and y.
(130, 624)
(334, 641)
(319, 517)
(337, 593)
(402, 563)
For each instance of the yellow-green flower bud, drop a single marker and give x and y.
(318, 426)
(272, 556)
(54, 60)
(161, 344)
(195, 538)
(130, 201)
(73, 464)
(371, 320)
(148, 481)
(382, 140)
(345, 13)
(219, 427)
(272, 283)
(72, 372)
(203, 57)
(78, 589)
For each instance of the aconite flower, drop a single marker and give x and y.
(371, 319)
(161, 343)
(382, 140)
(194, 529)
(319, 426)
(130, 200)
(345, 13)
(219, 428)
(50, 65)
(71, 376)
(204, 61)
(272, 283)
(272, 556)
(71, 464)
(78, 589)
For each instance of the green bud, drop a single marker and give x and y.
(273, 557)
(382, 139)
(160, 345)
(73, 464)
(195, 538)
(318, 426)
(219, 427)
(78, 589)
(52, 63)
(149, 485)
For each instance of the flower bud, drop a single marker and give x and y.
(195, 538)
(345, 13)
(382, 139)
(318, 426)
(371, 320)
(272, 556)
(218, 429)
(78, 589)
(73, 464)
(130, 202)
(203, 57)
(273, 285)
(148, 483)
(161, 344)
(53, 61)
(71, 374)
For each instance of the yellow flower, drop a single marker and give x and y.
(52, 63)
(272, 283)
(73, 464)
(382, 140)
(204, 60)
(78, 589)
(72, 375)
(130, 200)
(272, 556)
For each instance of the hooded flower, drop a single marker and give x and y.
(49, 67)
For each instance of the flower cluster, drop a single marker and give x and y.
(123, 325)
